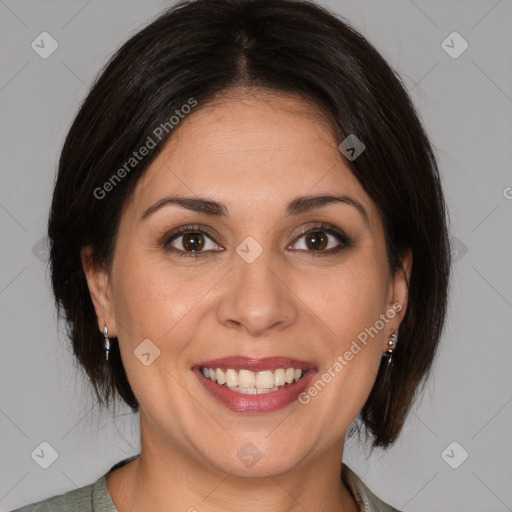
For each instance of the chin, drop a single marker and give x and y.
(259, 457)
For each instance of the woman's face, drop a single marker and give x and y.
(256, 287)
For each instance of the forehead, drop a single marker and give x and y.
(250, 150)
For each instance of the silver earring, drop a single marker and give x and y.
(393, 339)
(106, 342)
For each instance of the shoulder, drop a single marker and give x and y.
(365, 498)
(90, 498)
(77, 500)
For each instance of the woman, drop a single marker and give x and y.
(249, 245)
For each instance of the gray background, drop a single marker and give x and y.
(466, 105)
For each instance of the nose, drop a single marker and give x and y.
(257, 297)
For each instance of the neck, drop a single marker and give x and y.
(168, 478)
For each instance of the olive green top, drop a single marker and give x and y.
(96, 498)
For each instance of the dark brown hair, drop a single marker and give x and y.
(197, 49)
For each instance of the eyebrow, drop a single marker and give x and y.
(297, 206)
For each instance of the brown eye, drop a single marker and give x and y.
(193, 241)
(322, 240)
(316, 240)
(190, 241)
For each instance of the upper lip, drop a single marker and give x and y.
(256, 363)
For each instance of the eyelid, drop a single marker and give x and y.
(189, 228)
(323, 226)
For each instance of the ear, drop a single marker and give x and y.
(399, 290)
(101, 293)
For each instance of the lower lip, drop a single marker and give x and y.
(266, 402)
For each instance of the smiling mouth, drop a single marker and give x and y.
(253, 382)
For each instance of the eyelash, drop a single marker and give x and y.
(343, 238)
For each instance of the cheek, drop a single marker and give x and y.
(346, 307)
(349, 298)
(159, 301)
(153, 302)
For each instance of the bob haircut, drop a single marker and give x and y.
(198, 49)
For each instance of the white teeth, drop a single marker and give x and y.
(231, 378)
(265, 379)
(221, 377)
(279, 377)
(253, 391)
(246, 379)
(251, 383)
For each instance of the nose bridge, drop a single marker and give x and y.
(256, 297)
